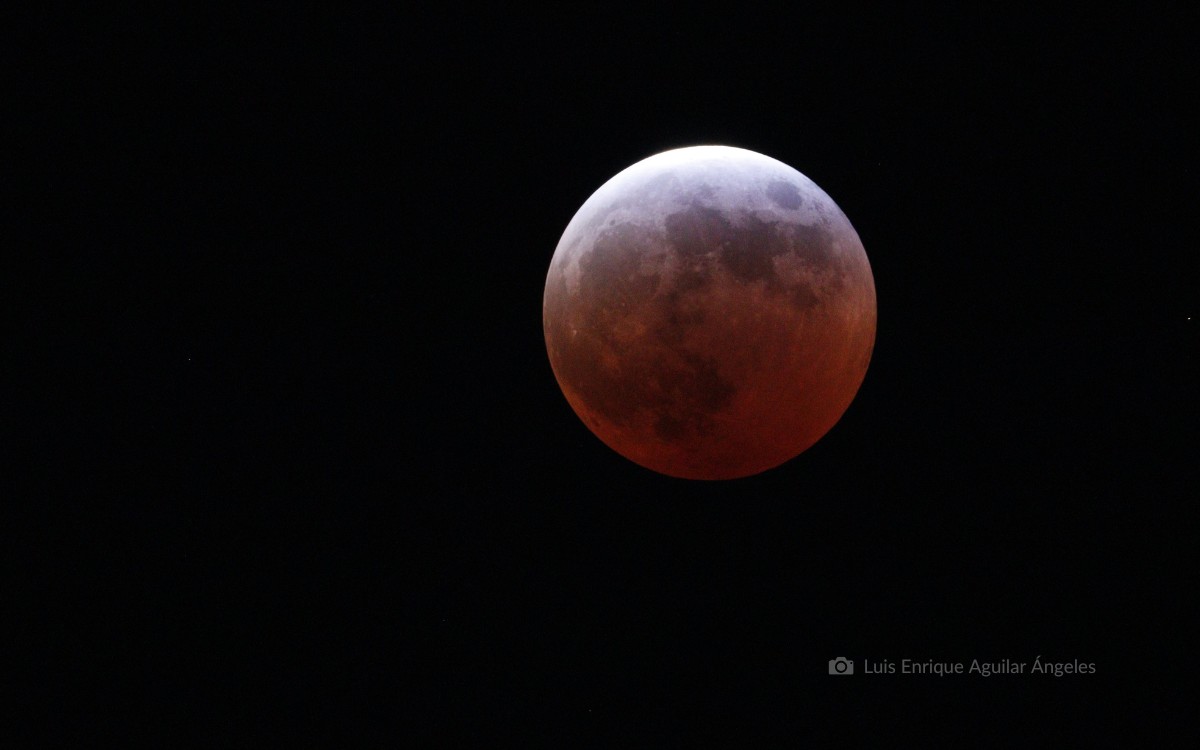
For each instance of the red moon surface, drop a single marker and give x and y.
(709, 313)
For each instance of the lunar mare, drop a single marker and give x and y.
(709, 313)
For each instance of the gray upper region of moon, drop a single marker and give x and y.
(709, 312)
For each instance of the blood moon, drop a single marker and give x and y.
(709, 313)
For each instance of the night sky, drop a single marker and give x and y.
(304, 469)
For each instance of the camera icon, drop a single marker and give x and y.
(841, 665)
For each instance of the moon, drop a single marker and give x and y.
(709, 313)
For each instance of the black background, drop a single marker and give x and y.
(307, 470)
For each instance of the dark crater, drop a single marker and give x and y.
(811, 243)
(784, 194)
(813, 247)
(611, 282)
(745, 249)
(748, 252)
(697, 230)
